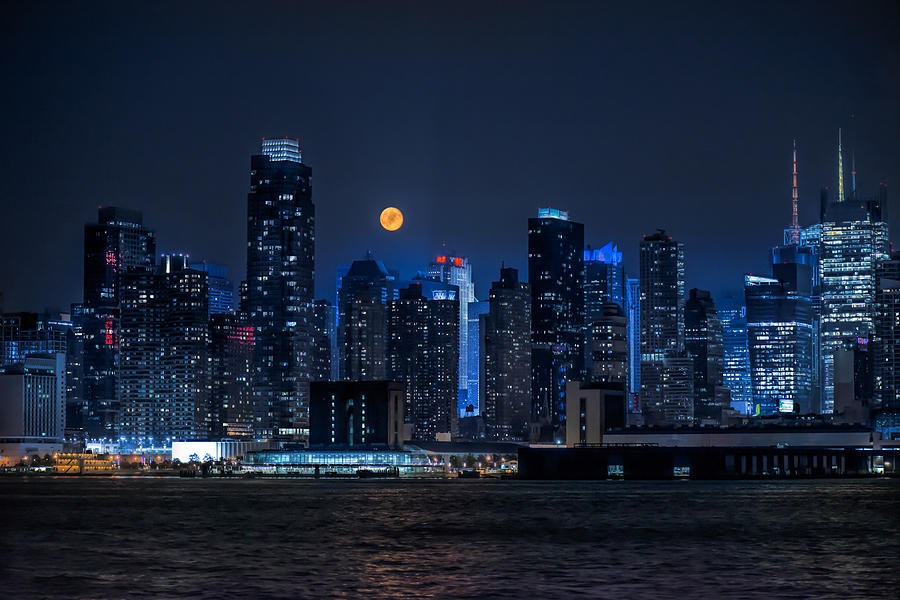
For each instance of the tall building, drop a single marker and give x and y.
(33, 399)
(506, 358)
(669, 384)
(736, 370)
(229, 358)
(887, 347)
(221, 288)
(366, 288)
(163, 354)
(474, 361)
(26, 333)
(116, 243)
(780, 343)
(609, 345)
(556, 276)
(661, 323)
(323, 334)
(280, 278)
(604, 280)
(854, 239)
(456, 270)
(633, 314)
(703, 342)
(422, 350)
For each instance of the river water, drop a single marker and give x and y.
(218, 538)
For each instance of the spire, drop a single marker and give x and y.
(853, 174)
(840, 197)
(795, 202)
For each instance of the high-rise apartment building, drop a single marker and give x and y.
(33, 399)
(280, 278)
(886, 348)
(456, 270)
(556, 277)
(323, 326)
(422, 351)
(633, 314)
(116, 243)
(609, 345)
(662, 324)
(229, 359)
(506, 358)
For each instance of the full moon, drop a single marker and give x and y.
(391, 218)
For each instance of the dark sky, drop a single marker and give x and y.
(467, 116)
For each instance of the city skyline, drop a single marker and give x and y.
(617, 168)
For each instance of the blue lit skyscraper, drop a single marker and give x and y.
(604, 280)
(736, 374)
(221, 288)
(633, 314)
(476, 309)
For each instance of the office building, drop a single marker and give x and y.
(163, 354)
(661, 325)
(356, 413)
(280, 278)
(886, 350)
(229, 360)
(556, 276)
(456, 270)
(33, 399)
(506, 358)
(703, 342)
(780, 344)
(633, 314)
(116, 243)
(474, 362)
(596, 407)
(736, 369)
(221, 288)
(604, 280)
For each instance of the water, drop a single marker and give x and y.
(139, 537)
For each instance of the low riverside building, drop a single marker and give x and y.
(218, 450)
(718, 453)
(76, 463)
(347, 462)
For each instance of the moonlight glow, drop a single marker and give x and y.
(391, 218)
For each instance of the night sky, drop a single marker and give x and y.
(466, 116)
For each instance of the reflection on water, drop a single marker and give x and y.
(114, 538)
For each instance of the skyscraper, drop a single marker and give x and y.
(280, 277)
(362, 331)
(661, 322)
(887, 347)
(604, 280)
(703, 342)
(736, 372)
(506, 358)
(116, 243)
(163, 347)
(556, 276)
(474, 361)
(633, 313)
(780, 336)
(456, 270)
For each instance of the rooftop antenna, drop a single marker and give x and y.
(795, 202)
(840, 168)
(853, 174)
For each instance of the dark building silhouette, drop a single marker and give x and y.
(505, 356)
(886, 350)
(662, 329)
(280, 277)
(228, 375)
(703, 342)
(356, 413)
(116, 243)
(323, 333)
(556, 276)
(163, 353)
